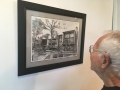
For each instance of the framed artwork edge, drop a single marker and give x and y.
(23, 7)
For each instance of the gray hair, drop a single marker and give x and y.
(111, 46)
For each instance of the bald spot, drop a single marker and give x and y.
(100, 40)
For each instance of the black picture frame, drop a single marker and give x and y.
(23, 6)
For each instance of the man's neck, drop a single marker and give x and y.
(109, 79)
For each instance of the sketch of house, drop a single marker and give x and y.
(67, 40)
(63, 45)
(52, 38)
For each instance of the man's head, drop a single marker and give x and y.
(97, 61)
(105, 53)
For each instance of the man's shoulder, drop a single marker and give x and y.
(110, 88)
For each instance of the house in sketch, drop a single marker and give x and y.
(67, 41)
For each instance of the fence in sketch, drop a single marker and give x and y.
(46, 46)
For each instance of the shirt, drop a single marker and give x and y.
(110, 88)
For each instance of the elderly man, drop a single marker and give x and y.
(105, 60)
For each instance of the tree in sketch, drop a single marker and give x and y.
(37, 27)
(51, 25)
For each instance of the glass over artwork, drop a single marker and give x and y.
(53, 38)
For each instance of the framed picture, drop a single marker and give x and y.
(48, 37)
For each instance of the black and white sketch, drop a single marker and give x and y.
(53, 38)
(48, 37)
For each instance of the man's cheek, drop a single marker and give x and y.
(92, 57)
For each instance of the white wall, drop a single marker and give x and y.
(77, 77)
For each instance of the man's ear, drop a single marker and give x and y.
(105, 61)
